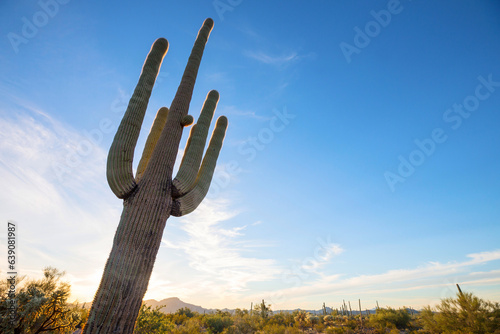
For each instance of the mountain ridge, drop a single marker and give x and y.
(172, 304)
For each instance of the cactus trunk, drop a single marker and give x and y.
(129, 266)
(153, 196)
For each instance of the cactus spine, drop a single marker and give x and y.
(152, 196)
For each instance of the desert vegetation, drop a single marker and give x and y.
(465, 313)
(39, 305)
(42, 307)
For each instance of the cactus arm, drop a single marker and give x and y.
(189, 202)
(119, 165)
(180, 103)
(154, 135)
(163, 158)
(195, 146)
(188, 144)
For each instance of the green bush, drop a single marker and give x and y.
(273, 329)
(301, 320)
(390, 318)
(279, 329)
(217, 323)
(328, 319)
(40, 305)
(192, 325)
(313, 319)
(152, 321)
(243, 323)
(464, 314)
(181, 316)
(338, 330)
(186, 311)
(282, 318)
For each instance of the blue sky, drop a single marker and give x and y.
(361, 159)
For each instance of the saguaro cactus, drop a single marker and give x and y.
(152, 195)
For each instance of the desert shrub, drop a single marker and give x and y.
(273, 329)
(338, 330)
(328, 320)
(186, 311)
(278, 329)
(192, 325)
(300, 318)
(282, 318)
(313, 319)
(319, 327)
(240, 313)
(177, 319)
(181, 315)
(243, 323)
(351, 324)
(464, 314)
(390, 318)
(217, 323)
(41, 306)
(152, 321)
(292, 330)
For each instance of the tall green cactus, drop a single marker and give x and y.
(153, 195)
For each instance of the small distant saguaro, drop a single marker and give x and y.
(153, 195)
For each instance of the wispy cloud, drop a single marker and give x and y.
(61, 222)
(273, 59)
(432, 275)
(280, 60)
(234, 111)
(217, 77)
(250, 32)
(214, 250)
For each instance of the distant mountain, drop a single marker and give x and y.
(171, 305)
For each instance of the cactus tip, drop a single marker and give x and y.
(163, 111)
(213, 94)
(222, 121)
(209, 22)
(162, 43)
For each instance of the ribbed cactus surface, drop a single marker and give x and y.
(153, 195)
